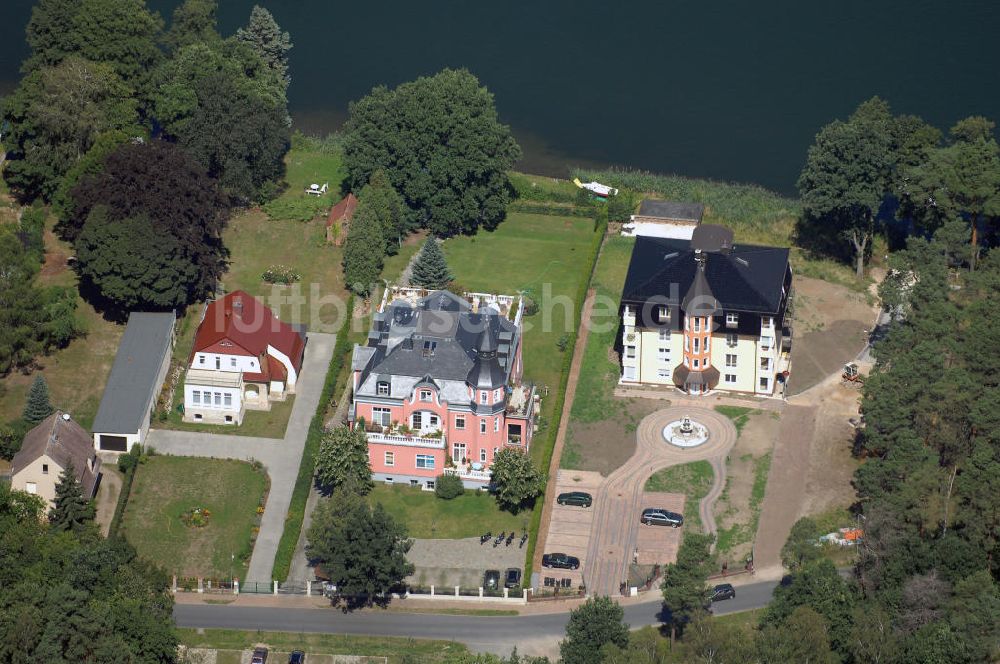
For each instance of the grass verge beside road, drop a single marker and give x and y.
(428, 517)
(395, 649)
(166, 487)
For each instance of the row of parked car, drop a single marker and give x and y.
(651, 516)
(260, 656)
(511, 578)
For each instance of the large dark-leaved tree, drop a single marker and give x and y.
(121, 33)
(239, 136)
(55, 116)
(847, 175)
(148, 228)
(958, 180)
(442, 146)
(361, 548)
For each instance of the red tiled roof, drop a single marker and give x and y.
(273, 369)
(250, 326)
(343, 210)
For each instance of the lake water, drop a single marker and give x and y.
(726, 89)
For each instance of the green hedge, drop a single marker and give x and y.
(553, 209)
(127, 462)
(553, 429)
(303, 483)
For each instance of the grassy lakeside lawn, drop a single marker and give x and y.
(757, 215)
(166, 487)
(692, 479)
(256, 242)
(428, 517)
(424, 651)
(594, 400)
(528, 252)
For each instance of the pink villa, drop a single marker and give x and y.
(438, 386)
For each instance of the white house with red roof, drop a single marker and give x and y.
(243, 358)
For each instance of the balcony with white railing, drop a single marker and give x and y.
(436, 443)
(467, 473)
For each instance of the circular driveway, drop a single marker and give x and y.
(616, 519)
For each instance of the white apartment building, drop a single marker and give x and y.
(706, 314)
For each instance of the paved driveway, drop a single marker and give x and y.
(615, 529)
(281, 457)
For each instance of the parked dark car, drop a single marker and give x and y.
(723, 591)
(576, 498)
(297, 657)
(491, 580)
(653, 516)
(560, 561)
(259, 656)
(512, 578)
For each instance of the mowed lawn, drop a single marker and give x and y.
(598, 374)
(428, 517)
(256, 242)
(166, 487)
(541, 255)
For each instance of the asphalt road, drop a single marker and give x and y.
(480, 633)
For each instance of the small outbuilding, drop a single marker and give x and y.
(667, 219)
(50, 448)
(136, 378)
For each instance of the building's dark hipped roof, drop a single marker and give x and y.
(745, 278)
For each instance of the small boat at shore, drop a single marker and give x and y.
(596, 188)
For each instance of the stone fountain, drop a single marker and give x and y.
(685, 433)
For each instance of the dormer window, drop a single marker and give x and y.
(429, 347)
(382, 388)
(425, 395)
(732, 320)
(663, 314)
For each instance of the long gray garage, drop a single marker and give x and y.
(137, 375)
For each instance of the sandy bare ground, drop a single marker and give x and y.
(831, 324)
(786, 486)
(734, 509)
(107, 496)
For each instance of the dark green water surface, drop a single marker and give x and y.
(727, 89)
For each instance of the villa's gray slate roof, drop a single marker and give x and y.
(133, 380)
(439, 339)
(671, 210)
